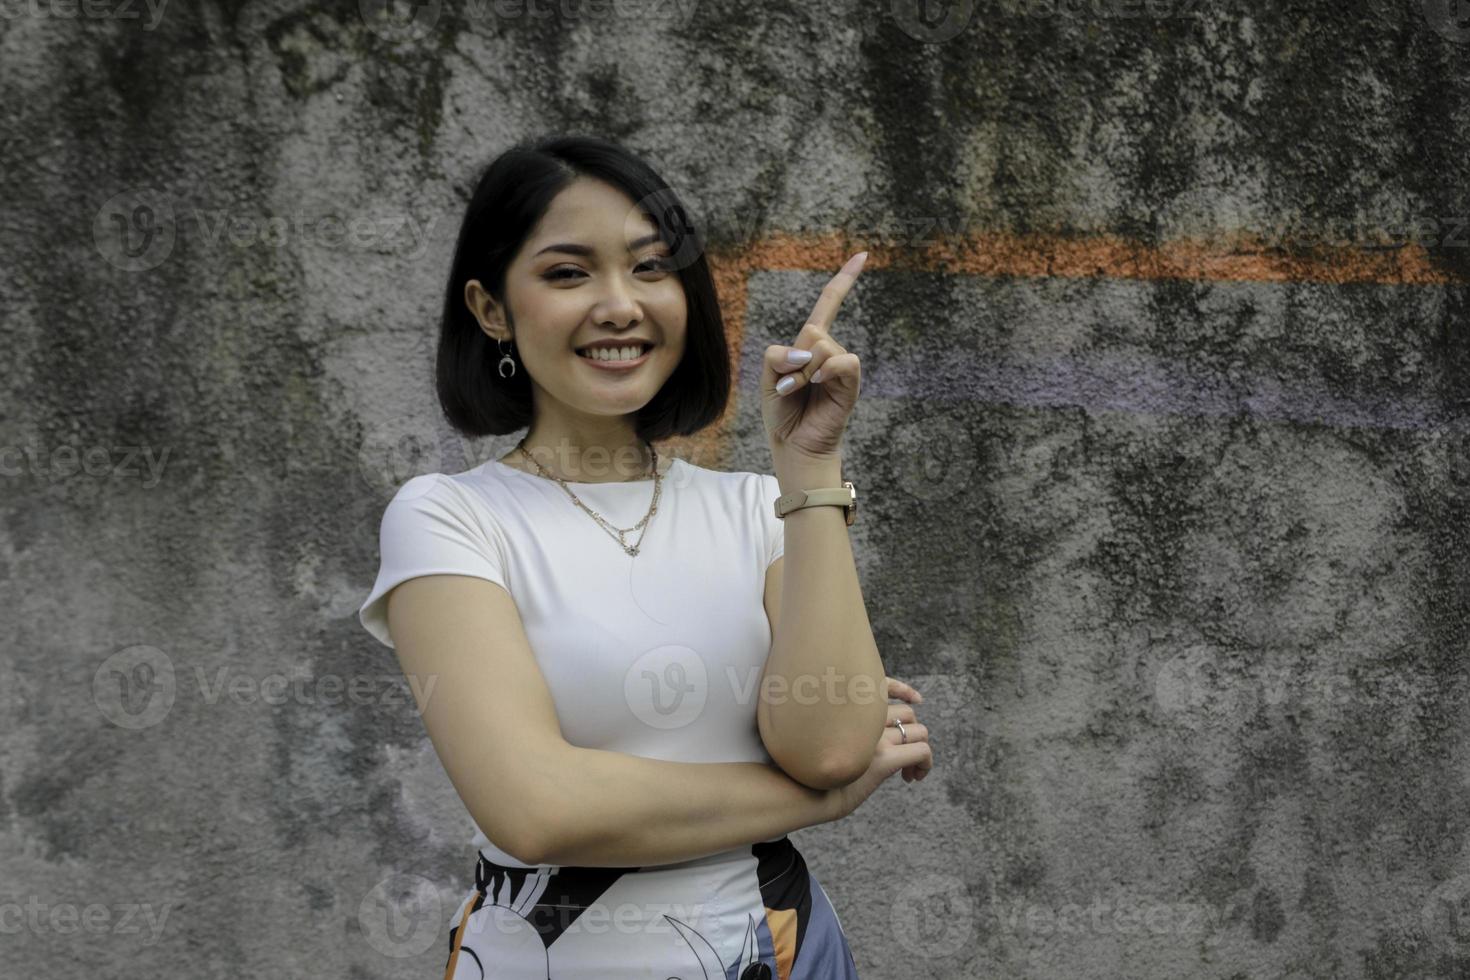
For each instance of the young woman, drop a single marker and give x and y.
(634, 704)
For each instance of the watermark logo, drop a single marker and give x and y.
(401, 916)
(1447, 915)
(1189, 681)
(932, 21)
(935, 457)
(1449, 18)
(400, 20)
(666, 687)
(397, 449)
(674, 223)
(135, 230)
(135, 688)
(933, 915)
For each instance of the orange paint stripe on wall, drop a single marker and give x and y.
(1241, 258)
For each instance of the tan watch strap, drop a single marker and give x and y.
(844, 496)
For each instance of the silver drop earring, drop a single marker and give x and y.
(505, 359)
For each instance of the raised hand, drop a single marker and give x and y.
(806, 403)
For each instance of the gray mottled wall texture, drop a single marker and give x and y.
(1162, 448)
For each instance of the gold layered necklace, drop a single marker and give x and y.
(619, 533)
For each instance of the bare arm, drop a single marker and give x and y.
(491, 718)
(824, 696)
(621, 810)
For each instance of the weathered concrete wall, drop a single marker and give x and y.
(1167, 523)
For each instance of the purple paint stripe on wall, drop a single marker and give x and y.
(1133, 385)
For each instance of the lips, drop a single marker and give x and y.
(588, 353)
(616, 365)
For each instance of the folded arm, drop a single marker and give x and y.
(490, 715)
(823, 695)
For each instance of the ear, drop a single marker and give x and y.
(486, 310)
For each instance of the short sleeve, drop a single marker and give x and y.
(431, 527)
(773, 526)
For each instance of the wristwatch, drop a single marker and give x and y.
(844, 496)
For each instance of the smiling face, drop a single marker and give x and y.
(592, 270)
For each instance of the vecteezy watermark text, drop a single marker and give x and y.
(90, 9)
(65, 918)
(66, 461)
(136, 688)
(400, 21)
(137, 229)
(1423, 231)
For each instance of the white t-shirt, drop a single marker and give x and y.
(658, 654)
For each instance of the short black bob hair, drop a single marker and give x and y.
(512, 195)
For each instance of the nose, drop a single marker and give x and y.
(619, 307)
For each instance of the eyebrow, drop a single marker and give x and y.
(572, 248)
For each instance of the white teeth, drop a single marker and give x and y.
(613, 353)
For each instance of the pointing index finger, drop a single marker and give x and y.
(836, 290)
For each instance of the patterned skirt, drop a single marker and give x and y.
(752, 913)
